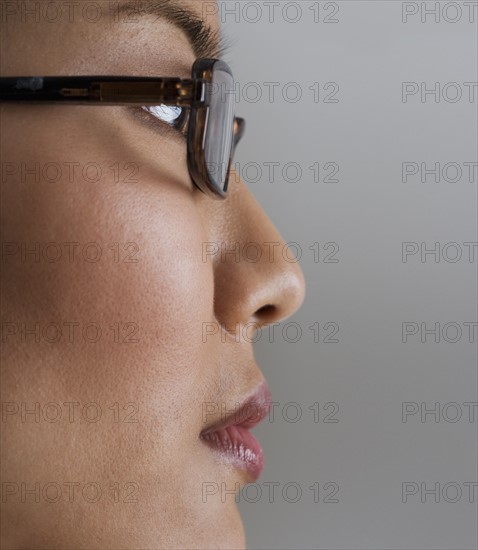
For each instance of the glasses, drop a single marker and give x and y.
(203, 105)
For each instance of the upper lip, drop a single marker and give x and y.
(250, 412)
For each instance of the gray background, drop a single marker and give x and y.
(370, 291)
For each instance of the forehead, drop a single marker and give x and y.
(49, 37)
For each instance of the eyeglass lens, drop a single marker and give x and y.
(219, 127)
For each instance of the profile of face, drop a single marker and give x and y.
(124, 294)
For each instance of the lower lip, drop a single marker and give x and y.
(237, 446)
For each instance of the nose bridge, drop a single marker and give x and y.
(256, 277)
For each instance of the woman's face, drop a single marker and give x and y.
(122, 288)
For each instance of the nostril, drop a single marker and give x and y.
(266, 314)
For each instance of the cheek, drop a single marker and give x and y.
(117, 271)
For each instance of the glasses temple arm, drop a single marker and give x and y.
(103, 90)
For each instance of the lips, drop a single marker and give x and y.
(231, 439)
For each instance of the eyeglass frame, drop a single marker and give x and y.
(142, 91)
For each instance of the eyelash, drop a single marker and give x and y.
(174, 117)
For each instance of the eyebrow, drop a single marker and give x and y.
(205, 41)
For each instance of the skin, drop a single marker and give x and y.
(169, 293)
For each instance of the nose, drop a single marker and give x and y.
(256, 277)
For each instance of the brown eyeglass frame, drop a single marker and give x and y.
(193, 93)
